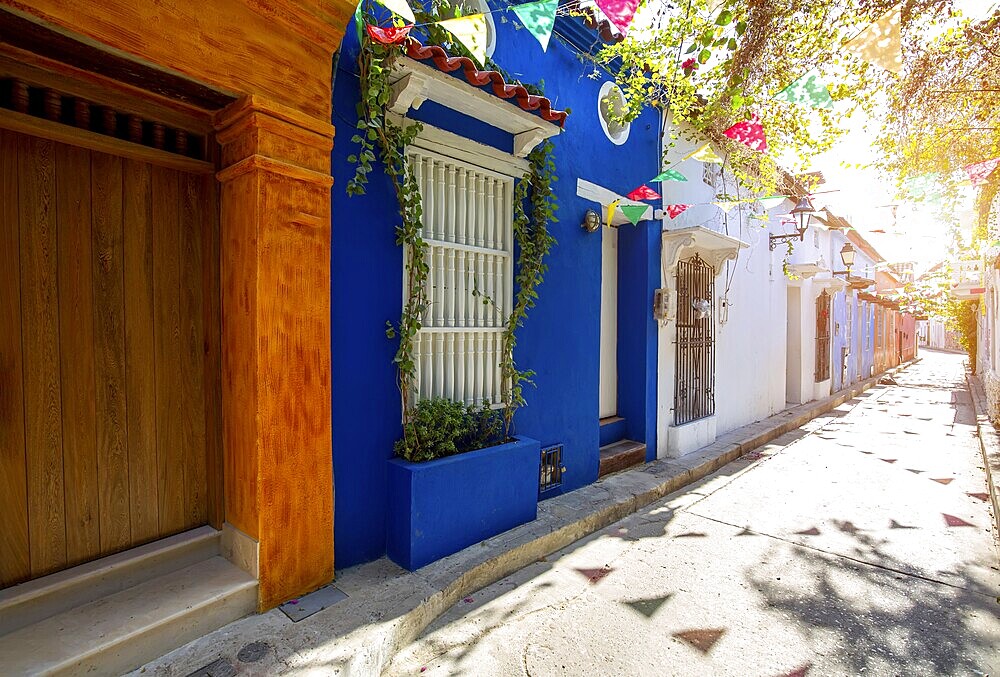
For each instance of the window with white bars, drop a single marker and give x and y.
(468, 220)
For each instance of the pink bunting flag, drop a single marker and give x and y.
(750, 133)
(619, 12)
(676, 210)
(643, 192)
(390, 35)
(979, 172)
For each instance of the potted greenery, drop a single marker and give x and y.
(458, 480)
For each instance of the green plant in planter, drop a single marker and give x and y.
(440, 427)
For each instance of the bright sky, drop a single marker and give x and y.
(865, 198)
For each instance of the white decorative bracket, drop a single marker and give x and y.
(713, 248)
(408, 92)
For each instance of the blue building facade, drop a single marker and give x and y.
(561, 338)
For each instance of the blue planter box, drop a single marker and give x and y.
(438, 507)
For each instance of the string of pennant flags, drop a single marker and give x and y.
(471, 30)
(879, 43)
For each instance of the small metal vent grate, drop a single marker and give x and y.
(550, 475)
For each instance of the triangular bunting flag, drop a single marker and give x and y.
(669, 175)
(771, 201)
(634, 213)
(619, 12)
(749, 133)
(726, 205)
(704, 154)
(390, 35)
(471, 32)
(809, 90)
(676, 210)
(643, 192)
(760, 217)
(538, 18)
(400, 7)
(980, 171)
(881, 43)
(611, 211)
(359, 20)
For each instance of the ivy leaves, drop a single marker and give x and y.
(379, 139)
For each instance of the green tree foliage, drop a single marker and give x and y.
(944, 113)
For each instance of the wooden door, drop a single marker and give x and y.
(109, 393)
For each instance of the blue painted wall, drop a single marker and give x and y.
(561, 337)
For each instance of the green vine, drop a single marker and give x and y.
(374, 127)
(534, 241)
(376, 133)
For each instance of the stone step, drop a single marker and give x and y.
(28, 603)
(119, 632)
(621, 455)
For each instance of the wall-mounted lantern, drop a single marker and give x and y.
(802, 212)
(847, 254)
(591, 221)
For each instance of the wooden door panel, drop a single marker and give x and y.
(76, 358)
(109, 355)
(40, 345)
(192, 348)
(140, 371)
(109, 350)
(15, 564)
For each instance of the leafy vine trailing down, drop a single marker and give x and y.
(375, 130)
(534, 240)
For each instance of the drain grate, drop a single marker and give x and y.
(551, 471)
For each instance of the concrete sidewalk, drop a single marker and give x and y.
(860, 545)
(989, 441)
(388, 607)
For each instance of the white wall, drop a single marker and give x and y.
(750, 310)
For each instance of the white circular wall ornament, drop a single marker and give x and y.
(610, 102)
(476, 7)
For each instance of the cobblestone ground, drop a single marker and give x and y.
(861, 544)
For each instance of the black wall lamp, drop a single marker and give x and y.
(802, 212)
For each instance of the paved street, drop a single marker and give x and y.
(861, 544)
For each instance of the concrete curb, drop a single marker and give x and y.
(388, 608)
(989, 442)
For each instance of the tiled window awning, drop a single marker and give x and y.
(422, 75)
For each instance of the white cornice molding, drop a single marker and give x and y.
(713, 248)
(413, 83)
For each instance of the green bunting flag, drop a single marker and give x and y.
(633, 213)
(808, 90)
(771, 201)
(669, 175)
(538, 18)
(923, 188)
(359, 21)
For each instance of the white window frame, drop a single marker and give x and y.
(457, 323)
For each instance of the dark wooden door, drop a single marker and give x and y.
(108, 376)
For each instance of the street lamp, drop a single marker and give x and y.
(802, 212)
(847, 256)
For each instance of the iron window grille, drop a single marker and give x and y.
(551, 469)
(694, 372)
(822, 336)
